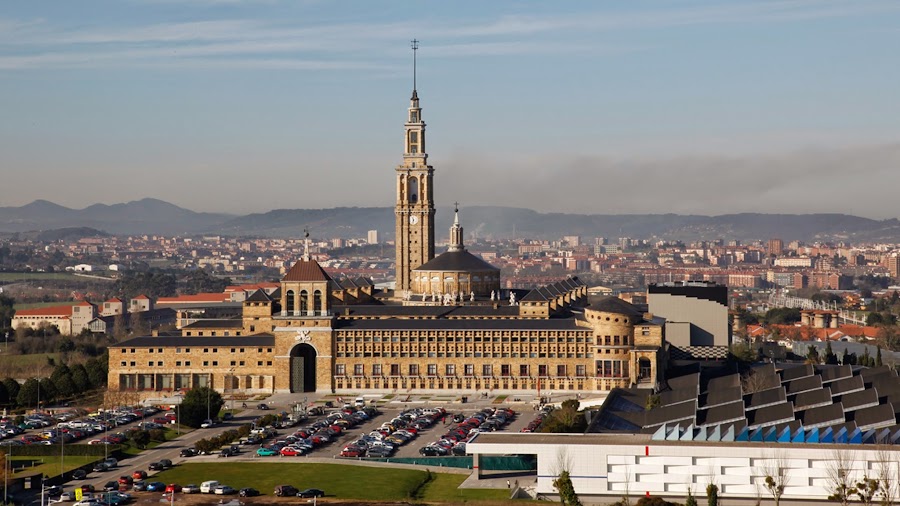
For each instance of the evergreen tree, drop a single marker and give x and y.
(80, 377)
(4, 395)
(691, 500)
(865, 357)
(830, 357)
(12, 388)
(48, 391)
(845, 357)
(28, 394)
(95, 372)
(712, 495)
(567, 495)
(198, 404)
(878, 362)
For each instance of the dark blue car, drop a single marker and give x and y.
(156, 486)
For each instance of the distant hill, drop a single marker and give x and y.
(146, 216)
(151, 216)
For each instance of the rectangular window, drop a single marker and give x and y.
(486, 370)
(542, 371)
(432, 369)
(504, 370)
(413, 369)
(233, 363)
(579, 371)
(150, 363)
(561, 371)
(232, 350)
(523, 370)
(215, 363)
(123, 364)
(395, 369)
(376, 369)
(206, 363)
(268, 362)
(241, 363)
(340, 369)
(469, 369)
(450, 369)
(177, 350)
(160, 364)
(187, 363)
(132, 364)
(358, 369)
(259, 362)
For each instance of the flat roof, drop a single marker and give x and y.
(185, 341)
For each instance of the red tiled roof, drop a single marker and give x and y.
(142, 297)
(114, 299)
(83, 303)
(58, 311)
(306, 270)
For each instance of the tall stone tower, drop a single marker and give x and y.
(415, 199)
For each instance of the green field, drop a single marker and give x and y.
(35, 305)
(49, 465)
(36, 276)
(25, 361)
(337, 480)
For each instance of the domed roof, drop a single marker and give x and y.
(457, 261)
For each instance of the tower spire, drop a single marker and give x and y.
(456, 232)
(306, 245)
(414, 44)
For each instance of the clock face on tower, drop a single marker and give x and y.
(413, 219)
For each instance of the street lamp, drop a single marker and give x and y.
(208, 388)
(231, 382)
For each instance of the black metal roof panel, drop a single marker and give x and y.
(833, 373)
(823, 415)
(793, 373)
(846, 385)
(677, 396)
(860, 398)
(868, 372)
(691, 381)
(771, 414)
(175, 341)
(729, 381)
(670, 414)
(876, 416)
(259, 295)
(719, 396)
(812, 398)
(720, 414)
(803, 384)
(765, 398)
(456, 261)
(615, 305)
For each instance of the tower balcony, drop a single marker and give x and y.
(302, 314)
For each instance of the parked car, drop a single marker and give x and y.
(87, 488)
(207, 487)
(190, 489)
(139, 486)
(140, 474)
(266, 452)
(188, 452)
(100, 467)
(156, 486)
(110, 486)
(89, 502)
(248, 492)
(224, 490)
(285, 491)
(67, 496)
(79, 474)
(173, 488)
(311, 492)
(207, 424)
(126, 480)
(263, 406)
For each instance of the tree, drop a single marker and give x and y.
(866, 490)
(845, 357)
(691, 500)
(776, 473)
(712, 495)
(812, 355)
(65, 386)
(80, 377)
(48, 391)
(28, 394)
(567, 495)
(139, 325)
(878, 362)
(830, 357)
(199, 404)
(4, 395)
(141, 438)
(12, 388)
(95, 372)
(886, 478)
(838, 477)
(119, 330)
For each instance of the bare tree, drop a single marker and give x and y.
(867, 489)
(840, 483)
(885, 469)
(776, 473)
(626, 494)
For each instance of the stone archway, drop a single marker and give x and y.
(303, 368)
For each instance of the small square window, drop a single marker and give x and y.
(241, 363)
(259, 363)
(215, 363)
(123, 364)
(268, 362)
(205, 363)
(187, 363)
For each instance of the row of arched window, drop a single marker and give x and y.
(303, 304)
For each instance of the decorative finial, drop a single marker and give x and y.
(456, 207)
(306, 244)
(414, 44)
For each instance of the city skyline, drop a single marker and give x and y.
(692, 107)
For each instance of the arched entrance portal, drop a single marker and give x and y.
(645, 369)
(303, 368)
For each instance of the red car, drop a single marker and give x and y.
(139, 475)
(173, 488)
(351, 452)
(287, 451)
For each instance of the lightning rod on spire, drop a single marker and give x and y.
(414, 44)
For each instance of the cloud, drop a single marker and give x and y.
(857, 180)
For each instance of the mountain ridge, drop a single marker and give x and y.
(154, 216)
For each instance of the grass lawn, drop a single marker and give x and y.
(171, 434)
(444, 487)
(26, 361)
(51, 465)
(341, 481)
(500, 399)
(27, 276)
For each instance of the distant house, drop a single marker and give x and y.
(69, 320)
(140, 303)
(113, 307)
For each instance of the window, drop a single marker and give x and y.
(151, 350)
(432, 369)
(504, 370)
(215, 350)
(413, 369)
(150, 363)
(123, 363)
(579, 371)
(206, 363)
(376, 369)
(469, 369)
(159, 364)
(242, 350)
(259, 362)
(187, 363)
(395, 369)
(561, 371)
(232, 350)
(523, 370)
(241, 363)
(233, 363)
(132, 364)
(187, 350)
(177, 350)
(340, 369)
(542, 371)
(205, 350)
(268, 362)
(450, 370)
(215, 363)
(358, 369)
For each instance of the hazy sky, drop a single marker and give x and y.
(706, 107)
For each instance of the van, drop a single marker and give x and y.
(360, 402)
(207, 487)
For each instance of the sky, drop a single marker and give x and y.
(612, 107)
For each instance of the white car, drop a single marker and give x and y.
(206, 424)
(224, 490)
(88, 502)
